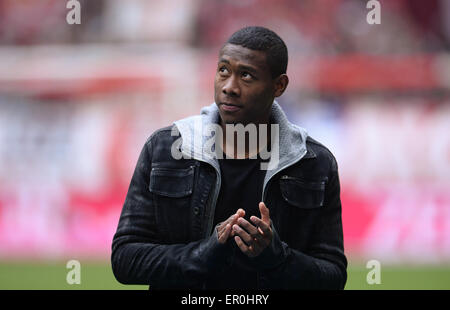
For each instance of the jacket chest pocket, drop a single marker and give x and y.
(172, 192)
(301, 193)
(301, 202)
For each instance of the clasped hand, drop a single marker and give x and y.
(252, 239)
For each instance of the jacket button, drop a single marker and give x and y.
(196, 210)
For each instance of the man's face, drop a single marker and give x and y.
(243, 87)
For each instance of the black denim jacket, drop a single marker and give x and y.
(165, 239)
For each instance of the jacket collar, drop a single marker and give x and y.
(291, 138)
(309, 153)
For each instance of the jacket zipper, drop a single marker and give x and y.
(213, 205)
(266, 185)
(216, 194)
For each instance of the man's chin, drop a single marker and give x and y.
(230, 120)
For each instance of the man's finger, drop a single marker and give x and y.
(265, 216)
(263, 227)
(242, 234)
(252, 230)
(223, 236)
(231, 219)
(244, 248)
(240, 213)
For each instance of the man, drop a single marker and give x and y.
(217, 220)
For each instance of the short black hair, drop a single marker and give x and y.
(263, 39)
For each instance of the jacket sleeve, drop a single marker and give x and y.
(138, 258)
(324, 266)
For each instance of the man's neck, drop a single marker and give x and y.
(251, 150)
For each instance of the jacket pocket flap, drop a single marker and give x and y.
(172, 182)
(301, 193)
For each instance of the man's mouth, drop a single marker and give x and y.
(230, 107)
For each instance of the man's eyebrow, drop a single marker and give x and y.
(248, 68)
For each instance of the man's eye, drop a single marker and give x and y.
(223, 70)
(247, 75)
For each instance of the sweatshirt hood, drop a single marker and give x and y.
(197, 131)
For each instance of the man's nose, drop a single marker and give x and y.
(231, 87)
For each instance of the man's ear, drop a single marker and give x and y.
(281, 82)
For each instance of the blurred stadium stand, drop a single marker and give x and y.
(77, 103)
